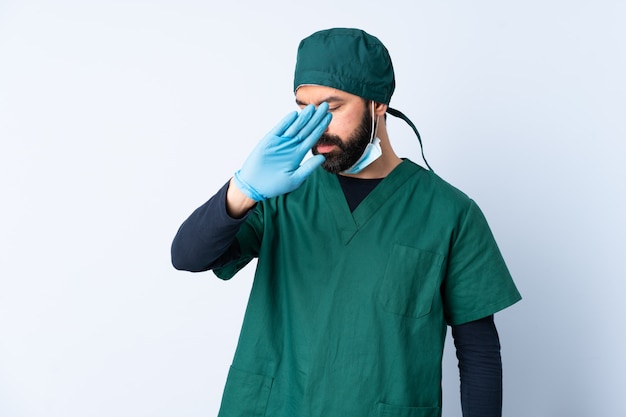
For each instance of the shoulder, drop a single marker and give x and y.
(429, 188)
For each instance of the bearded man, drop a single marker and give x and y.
(364, 258)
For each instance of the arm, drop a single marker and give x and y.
(480, 366)
(206, 240)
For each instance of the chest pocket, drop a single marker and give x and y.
(411, 280)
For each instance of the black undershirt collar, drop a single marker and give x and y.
(356, 189)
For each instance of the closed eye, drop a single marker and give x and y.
(337, 101)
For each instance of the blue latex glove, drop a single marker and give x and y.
(273, 168)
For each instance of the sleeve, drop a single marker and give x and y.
(480, 367)
(207, 239)
(248, 238)
(477, 282)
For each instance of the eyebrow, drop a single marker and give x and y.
(329, 99)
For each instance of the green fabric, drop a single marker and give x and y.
(350, 60)
(348, 311)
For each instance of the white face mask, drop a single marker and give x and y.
(372, 151)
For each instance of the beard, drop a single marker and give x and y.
(350, 151)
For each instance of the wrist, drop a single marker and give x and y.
(246, 188)
(238, 203)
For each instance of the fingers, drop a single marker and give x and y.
(300, 131)
(303, 118)
(310, 140)
(307, 121)
(307, 168)
(284, 124)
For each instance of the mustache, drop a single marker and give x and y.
(328, 139)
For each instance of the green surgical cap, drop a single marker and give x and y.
(349, 60)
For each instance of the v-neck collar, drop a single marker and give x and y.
(349, 223)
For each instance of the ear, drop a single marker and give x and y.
(380, 109)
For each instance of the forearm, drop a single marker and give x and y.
(480, 366)
(207, 238)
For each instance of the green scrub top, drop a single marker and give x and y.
(348, 310)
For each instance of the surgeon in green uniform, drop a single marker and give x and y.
(364, 258)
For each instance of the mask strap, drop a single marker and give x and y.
(374, 123)
(400, 115)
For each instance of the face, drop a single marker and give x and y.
(350, 130)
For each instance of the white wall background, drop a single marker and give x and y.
(117, 118)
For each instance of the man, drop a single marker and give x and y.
(363, 258)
